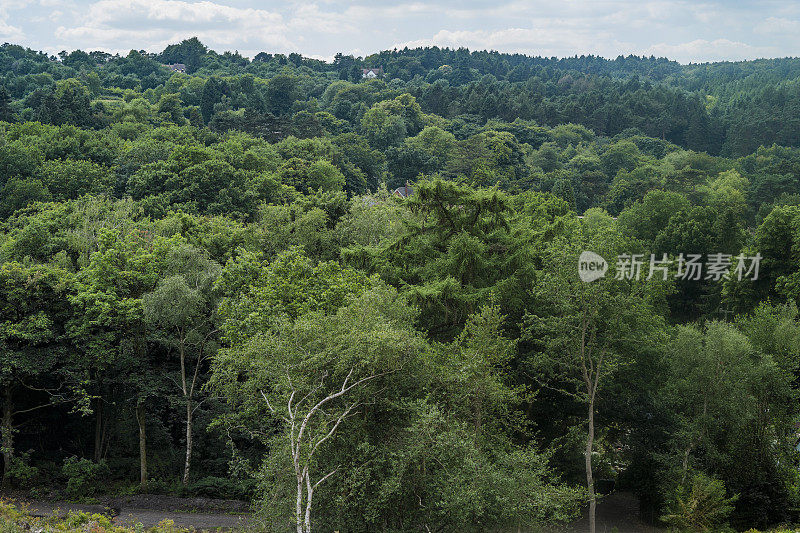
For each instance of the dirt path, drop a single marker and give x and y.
(129, 516)
(617, 512)
(149, 518)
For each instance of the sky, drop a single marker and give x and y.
(686, 31)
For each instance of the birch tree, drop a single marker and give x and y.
(180, 312)
(295, 386)
(310, 424)
(584, 333)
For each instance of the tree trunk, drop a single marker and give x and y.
(98, 430)
(589, 479)
(685, 463)
(187, 394)
(309, 496)
(140, 418)
(188, 463)
(298, 512)
(6, 428)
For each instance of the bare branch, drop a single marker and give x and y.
(267, 400)
(332, 430)
(326, 476)
(49, 404)
(345, 388)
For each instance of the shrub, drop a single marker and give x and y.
(9, 512)
(20, 470)
(82, 476)
(166, 526)
(160, 486)
(700, 506)
(218, 487)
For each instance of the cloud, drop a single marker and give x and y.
(119, 25)
(10, 33)
(772, 25)
(159, 11)
(308, 17)
(547, 40)
(703, 50)
(686, 30)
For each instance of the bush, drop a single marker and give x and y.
(700, 506)
(20, 470)
(82, 476)
(218, 487)
(761, 504)
(173, 487)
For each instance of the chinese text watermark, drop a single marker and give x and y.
(691, 267)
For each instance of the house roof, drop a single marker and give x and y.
(404, 192)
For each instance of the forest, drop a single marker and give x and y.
(355, 302)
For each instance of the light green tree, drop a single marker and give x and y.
(585, 332)
(180, 312)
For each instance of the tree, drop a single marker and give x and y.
(311, 376)
(189, 51)
(646, 218)
(281, 92)
(383, 129)
(170, 106)
(715, 385)
(584, 333)
(702, 507)
(32, 310)
(6, 111)
(181, 308)
(68, 180)
(108, 327)
(449, 257)
(213, 90)
(302, 446)
(564, 190)
(18, 193)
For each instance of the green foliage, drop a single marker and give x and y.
(20, 472)
(83, 476)
(701, 505)
(178, 248)
(219, 487)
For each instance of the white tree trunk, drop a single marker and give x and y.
(298, 513)
(589, 478)
(140, 419)
(188, 463)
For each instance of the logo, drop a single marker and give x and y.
(717, 267)
(591, 266)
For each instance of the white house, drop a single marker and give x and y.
(371, 73)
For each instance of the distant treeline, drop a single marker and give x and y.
(722, 108)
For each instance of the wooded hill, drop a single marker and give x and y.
(194, 265)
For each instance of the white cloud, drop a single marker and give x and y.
(772, 25)
(310, 18)
(120, 25)
(686, 30)
(10, 33)
(554, 38)
(703, 50)
(115, 11)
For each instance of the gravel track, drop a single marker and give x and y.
(183, 515)
(618, 511)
